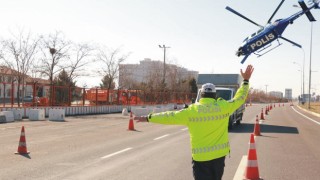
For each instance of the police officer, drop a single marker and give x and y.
(207, 122)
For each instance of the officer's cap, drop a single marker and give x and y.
(208, 88)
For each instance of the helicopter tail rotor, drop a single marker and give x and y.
(316, 4)
(306, 10)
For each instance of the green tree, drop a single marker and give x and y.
(107, 82)
(63, 88)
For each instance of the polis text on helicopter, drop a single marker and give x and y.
(264, 40)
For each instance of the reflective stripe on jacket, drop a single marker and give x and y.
(207, 121)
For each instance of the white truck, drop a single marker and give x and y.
(226, 87)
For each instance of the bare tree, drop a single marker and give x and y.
(19, 54)
(82, 57)
(111, 59)
(55, 49)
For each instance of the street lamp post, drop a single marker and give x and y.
(301, 77)
(310, 65)
(304, 58)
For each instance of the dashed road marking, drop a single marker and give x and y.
(118, 152)
(161, 137)
(184, 129)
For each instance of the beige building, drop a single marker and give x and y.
(276, 94)
(152, 71)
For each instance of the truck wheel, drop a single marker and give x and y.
(238, 122)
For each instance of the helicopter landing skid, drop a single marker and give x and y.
(259, 55)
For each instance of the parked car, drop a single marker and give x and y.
(29, 98)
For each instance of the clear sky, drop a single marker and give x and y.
(202, 34)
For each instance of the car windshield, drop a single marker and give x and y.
(224, 94)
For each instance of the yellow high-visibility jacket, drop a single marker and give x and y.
(207, 122)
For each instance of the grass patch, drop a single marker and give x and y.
(314, 106)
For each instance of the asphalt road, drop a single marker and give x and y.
(101, 147)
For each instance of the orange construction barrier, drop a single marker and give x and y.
(131, 124)
(252, 170)
(22, 148)
(256, 130)
(262, 116)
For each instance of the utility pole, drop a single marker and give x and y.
(164, 47)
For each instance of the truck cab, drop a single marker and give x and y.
(227, 94)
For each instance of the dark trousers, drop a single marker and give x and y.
(212, 169)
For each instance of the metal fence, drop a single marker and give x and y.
(32, 95)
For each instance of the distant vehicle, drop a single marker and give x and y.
(226, 87)
(28, 98)
(227, 94)
(261, 40)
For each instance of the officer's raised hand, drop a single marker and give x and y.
(247, 74)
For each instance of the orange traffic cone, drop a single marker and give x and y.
(256, 130)
(252, 170)
(266, 111)
(131, 125)
(22, 148)
(261, 116)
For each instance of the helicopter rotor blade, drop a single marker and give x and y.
(235, 12)
(295, 44)
(274, 13)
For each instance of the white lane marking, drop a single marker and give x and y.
(241, 169)
(184, 129)
(118, 152)
(306, 116)
(161, 137)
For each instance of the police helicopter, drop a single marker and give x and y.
(260, 41)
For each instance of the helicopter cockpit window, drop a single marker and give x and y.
(276, 22)
(260, 30)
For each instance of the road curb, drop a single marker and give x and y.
(313, 113)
